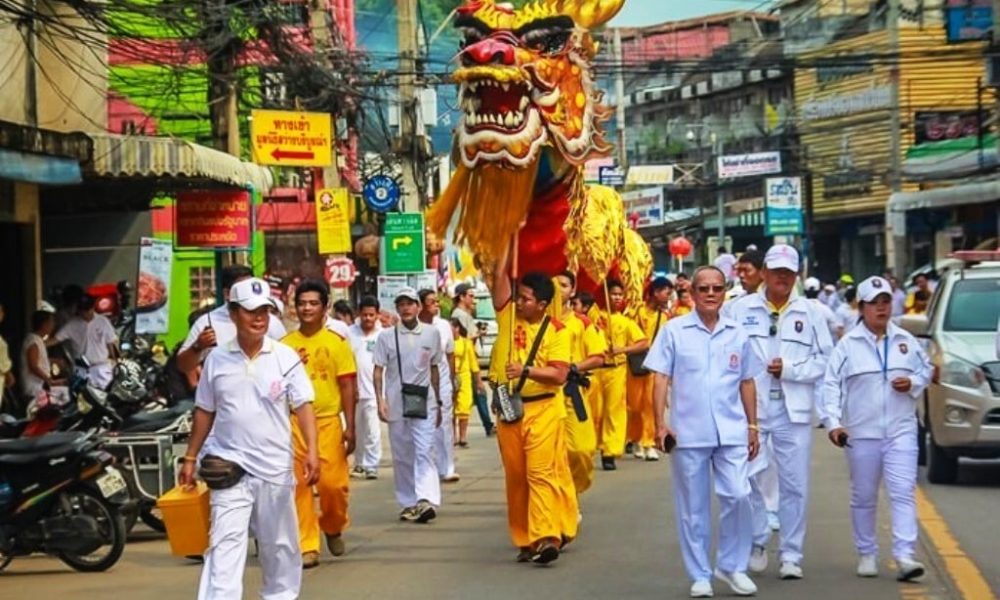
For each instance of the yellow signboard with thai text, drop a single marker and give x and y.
(333, 221)
(291, 139)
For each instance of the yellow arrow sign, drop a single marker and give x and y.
(401, 241)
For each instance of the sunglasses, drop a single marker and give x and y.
(715, 289)
(773, 331)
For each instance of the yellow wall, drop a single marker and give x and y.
(933, 76)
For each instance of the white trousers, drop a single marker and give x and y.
(768, 480)
(789, 450)
(270, 511)
(694, 470)
(414, 472)
(893, 460)
(368, 433)
(444, 437)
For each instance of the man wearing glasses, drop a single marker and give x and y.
(792, 338)
(703, 368)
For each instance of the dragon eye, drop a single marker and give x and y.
(546, 40)
(470, 36)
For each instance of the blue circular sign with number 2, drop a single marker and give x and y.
(381, 193)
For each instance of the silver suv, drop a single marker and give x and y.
(961, 408)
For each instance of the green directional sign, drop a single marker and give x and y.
(403, 244)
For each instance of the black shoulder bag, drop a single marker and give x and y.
(414, 396)
(635, 360)
(507, 404)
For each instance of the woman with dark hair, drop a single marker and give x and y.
(36, 372)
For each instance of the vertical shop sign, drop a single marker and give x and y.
(152, 301)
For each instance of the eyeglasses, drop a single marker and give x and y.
(773, 331)
(715, 289)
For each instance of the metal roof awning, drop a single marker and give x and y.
(157, 157)
(968, 193)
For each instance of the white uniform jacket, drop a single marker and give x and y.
(857, 391)
(804, 347)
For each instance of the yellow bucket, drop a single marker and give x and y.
(187, 515)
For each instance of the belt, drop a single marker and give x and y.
(538, 397)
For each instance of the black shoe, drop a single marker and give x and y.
(608, 463)
(524, 556)
(545, 553)
(425, 512)
(628, 447)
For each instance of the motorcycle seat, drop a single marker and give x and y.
(157, 419)
(25, 450)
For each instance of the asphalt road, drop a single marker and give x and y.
(627, 547)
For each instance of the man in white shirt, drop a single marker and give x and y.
(93, 337)
(247, 389)
(410, 353)
(444, 437)
(363, 335)
(216, 328)
(704, 364)
(725, 262)
(465, 311)
(847, 313)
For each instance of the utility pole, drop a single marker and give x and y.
(30, 79)
(720, 193)
(319, 25)
(894, 254)
(620, 94)
(407, 145)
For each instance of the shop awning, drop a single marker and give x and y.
(145, 157)
(39, 168)
(968, 193)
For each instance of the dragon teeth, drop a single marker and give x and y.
(508, 120)
(524, 102)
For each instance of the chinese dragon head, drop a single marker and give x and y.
(531, 117)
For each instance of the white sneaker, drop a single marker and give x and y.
(758, 559)
(638, 451)
(652, 454)
(790, 570)
(739, 583)
(910, 569)
(868, 566)
(702, 589)
(772, 521)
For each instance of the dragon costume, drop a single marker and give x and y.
(532, 117)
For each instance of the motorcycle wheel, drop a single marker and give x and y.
(112, 528)
(151, 517)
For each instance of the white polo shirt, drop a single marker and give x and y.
(363, 347)
(225, 329)
(419, 348)
(706, 368)
(90, 339)
(337, 326)
(447, 347)
(251, 399)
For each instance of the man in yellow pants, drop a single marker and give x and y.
(330, 364)
(531, 447)
(650, 317)
(587, 348)
(625, 338)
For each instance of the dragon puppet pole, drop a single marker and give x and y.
(607, 304)
(513, 269)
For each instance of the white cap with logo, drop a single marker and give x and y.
(873, 287)
(408, 293)
(782, 256)
(251, 293)
(813, 285)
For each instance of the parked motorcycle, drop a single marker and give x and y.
(60, 495)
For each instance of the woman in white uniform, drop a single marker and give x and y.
(875, 377)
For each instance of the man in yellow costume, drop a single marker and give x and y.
(650, 317)
(330, 365)
(531, 364)
(625, 338)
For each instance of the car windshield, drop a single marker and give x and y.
(974, 305)
(484, 308)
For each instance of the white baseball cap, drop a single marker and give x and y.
(872, 288)
(46, 307)
(251, 293)
(782, 256)
(812, 284)
(408, 293)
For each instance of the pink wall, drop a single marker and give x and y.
(674, 45)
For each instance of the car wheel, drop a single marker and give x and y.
(942, 467)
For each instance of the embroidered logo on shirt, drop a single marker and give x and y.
(903, 349)
(520, 338)
(799, 325)
(277, 389)
(750, 320)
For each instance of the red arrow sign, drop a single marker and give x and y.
(278, 154)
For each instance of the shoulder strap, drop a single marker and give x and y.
(531, 353)
(659, 316)
(399, 361)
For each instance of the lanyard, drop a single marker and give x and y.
(883, 358)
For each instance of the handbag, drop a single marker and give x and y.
(219, 473)
(508, 404)
(414, 396)
(635, 360)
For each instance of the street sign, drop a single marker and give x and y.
(611, 176)
(783, 206)
(291, 139)
(381, 193)
(403, 243)
(340, 272)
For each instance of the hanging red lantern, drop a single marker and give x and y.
(680, 246)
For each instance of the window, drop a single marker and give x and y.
(202, 286)
(973, 306)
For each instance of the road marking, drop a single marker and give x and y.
(963, 571)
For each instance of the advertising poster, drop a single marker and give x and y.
(333, 221)
(645, 205)
(213, 219)
(748, 165)
(783, 206)
(152, 298)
